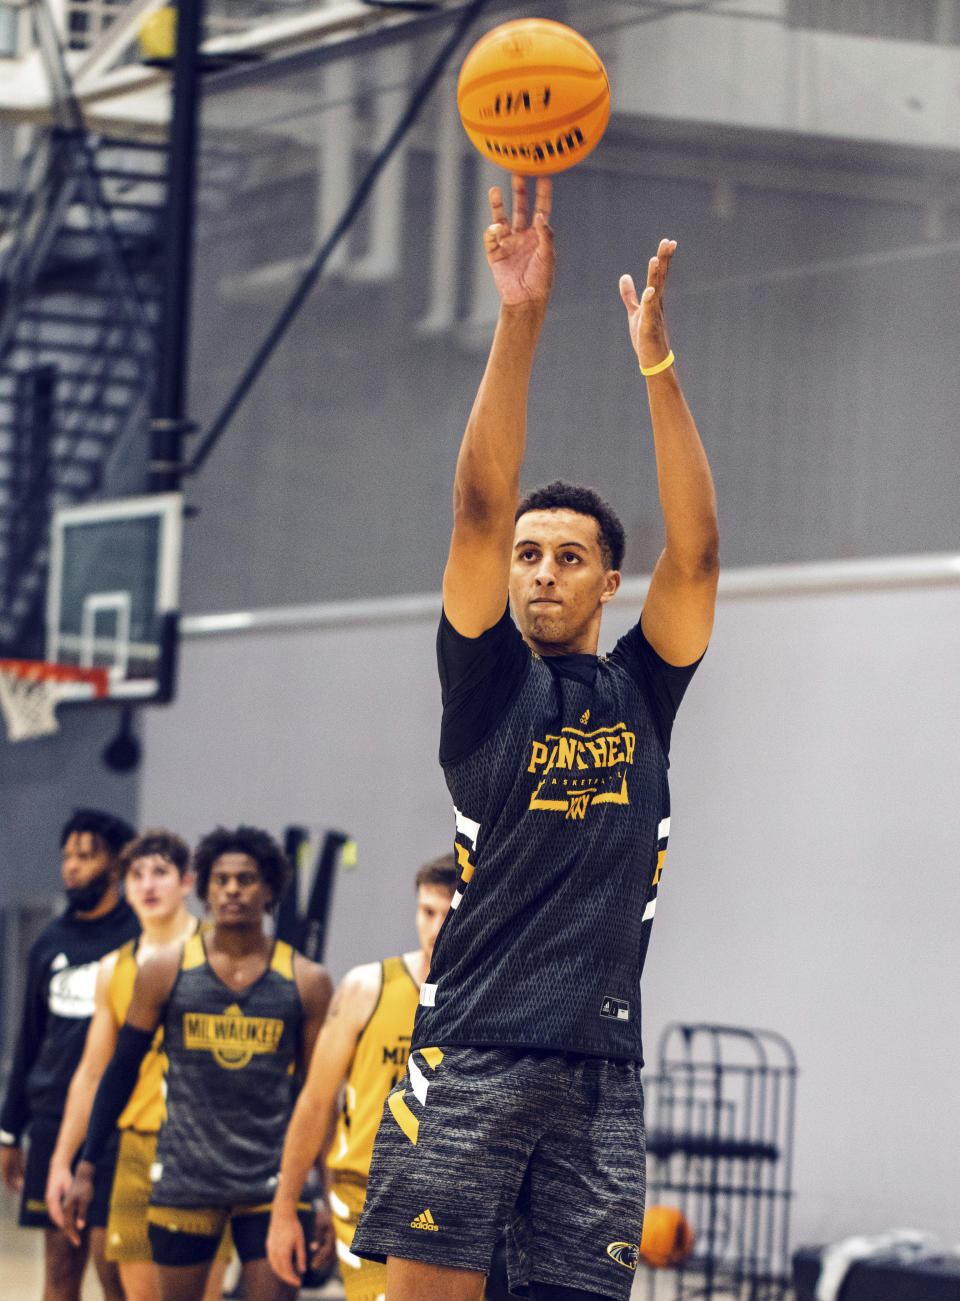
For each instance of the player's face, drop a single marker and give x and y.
(433, 904)
(85, 857)
(154, 887)
(558, 581)
(237, 894)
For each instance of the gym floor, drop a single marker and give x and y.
(21, 1263)
(21, 1268)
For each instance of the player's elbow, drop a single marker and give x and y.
(697, 558)
(476, 507)
(708, 564)
(706, 543)
(484, 489)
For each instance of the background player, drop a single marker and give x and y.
(157, 882)
(522, 1104)
(240, 1014)
(59, 1002)
(361, 1053)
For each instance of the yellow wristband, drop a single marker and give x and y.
(668, 360)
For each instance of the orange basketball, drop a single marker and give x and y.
(667, 1237)
(533, 96)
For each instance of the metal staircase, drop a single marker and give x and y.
(80, 291)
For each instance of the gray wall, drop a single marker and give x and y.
(810, 885)
(330, 727)
(41, 782)
(812, 305)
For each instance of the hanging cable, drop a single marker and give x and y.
(467, 16)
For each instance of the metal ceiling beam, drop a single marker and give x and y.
(143, 88)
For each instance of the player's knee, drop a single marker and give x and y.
(261, 1284)
(113, 1289)
(63, 1262)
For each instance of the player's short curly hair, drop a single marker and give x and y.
(165, 844)
(585, 501)
(442, 872)
(258, 844)
(111, 832)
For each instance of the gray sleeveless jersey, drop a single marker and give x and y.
(230, 1087)
(562, 824)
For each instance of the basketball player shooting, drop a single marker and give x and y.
(522, 1105)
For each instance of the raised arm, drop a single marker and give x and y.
(520, 255)
(678, 612)
(97, 1051)
(310, 1125)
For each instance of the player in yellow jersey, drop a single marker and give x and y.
(157, 879)
(359, 1057)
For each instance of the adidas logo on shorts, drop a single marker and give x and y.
(425, 1221)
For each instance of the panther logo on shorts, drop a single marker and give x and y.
(624, 1253)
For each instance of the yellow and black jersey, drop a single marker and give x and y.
(558, 772)
(379, 1061)
(231, 1056)
(145, 1110)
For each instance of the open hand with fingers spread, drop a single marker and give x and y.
(520, 253)
(648, 328)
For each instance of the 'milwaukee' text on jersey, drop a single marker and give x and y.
(558, 772)
(230, 1036)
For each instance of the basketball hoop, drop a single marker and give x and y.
(30, 691)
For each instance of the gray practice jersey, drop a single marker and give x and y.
(558, 771)
(230, 1083)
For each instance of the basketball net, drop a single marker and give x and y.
(30, 691)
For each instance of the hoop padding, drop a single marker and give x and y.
(30, 691)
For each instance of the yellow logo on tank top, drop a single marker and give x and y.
(577, 769)
(231, 1037)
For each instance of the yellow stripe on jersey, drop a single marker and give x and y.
(120, 989)
(463, 862)
(282, 960)
(193, 953)
(404, 1116)
(145, 1110)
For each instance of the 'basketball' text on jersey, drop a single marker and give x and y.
(598, 758)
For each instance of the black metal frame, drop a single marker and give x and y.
(102, 342)
(720, 1149)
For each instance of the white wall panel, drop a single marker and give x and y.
(810, 886)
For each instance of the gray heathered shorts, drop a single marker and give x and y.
(548, 1146)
